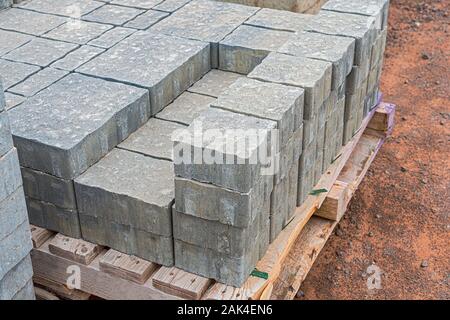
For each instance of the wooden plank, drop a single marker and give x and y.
(383, 120)
(127, 267)
(61, 290)
(181, 283)
(334, 206)
(74, 249)
(92, 280)
(42, 294)
(39, 235)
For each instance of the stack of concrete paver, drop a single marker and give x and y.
(97, 90)
(15, 237)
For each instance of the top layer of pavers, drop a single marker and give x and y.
(69, 126)
(79, 32)
(68, 8)
(11, 40)
(115, 15)
(14, 72)
(214, 83)
(165, 65)
(279, 20)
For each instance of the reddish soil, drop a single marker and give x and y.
(399, 219)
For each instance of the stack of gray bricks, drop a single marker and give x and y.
(15, 237)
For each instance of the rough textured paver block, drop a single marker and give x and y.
(79, 32)
(26, 293)
(69, 126)
(13, 212)
(41, 52)
(77, 58)
(2, 97)
(133, 241)
(116, 189)
(279, 20)
(224, 136)
(305, 185)
(312, 75)
(115, 15)
(10, 173)
(48, 188)
(153, 139)
(214, 83)
(211, 264)
(5, 133)
(171, 5)
(204, 20)
(361, 28)
(51, 217)
(15, 279)
(186, 108)
(271, 101)
(112, 37)
(214, 235)
(165, 65)
(36, 23)
(142, 4)
(14, 72)
(14, 247)
(13, 100)
(11, 40)
(337, 50)
(69, 8)
(147, 19)
(38, 82)
(247, 46)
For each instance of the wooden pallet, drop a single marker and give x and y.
(109, 274)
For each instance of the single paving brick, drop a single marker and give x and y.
(171, 5)
(153, 139)
(11, 40)
(115, 15)
(147, 19)
(149, 65)
(69, 126)
(10, 173)
(69, 8)
(13, 100)
(279, 20)
(186, 108)
(13, 212)
(36, 23)
(141, 4)
(26, 293)
(16, 279)
(6, 143)
(79, 32)
(112, 37)
(214, 83)
(41, 52)
(14, 72)
(247, 46)
(77, 58)
(38, 82)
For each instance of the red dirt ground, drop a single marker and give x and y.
(399, 219)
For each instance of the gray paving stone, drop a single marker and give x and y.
(337, 50)
(6, 143)
(69, 126)
(48, 188)
(245, 48)
(270, 101)
(310, 130)
(16, 278)
(116, 189)
(10, 173)
(48, 216)
(14, 72)
(13, 212)
(77, 58)
(171, 5)
(11, 40)
(147, 19)
(26, 293)
(361, 28)
(36, 23)
(14, 247)
(38, 81)
(41, 52)
(115, 15)
(2, 97)
(112, 37)
(153, 139)
(312, 75)
(357, 76)
(140, 4)
(308, 157)
(149, 65)
(155, 248)
(204, 20)
(213, 203)
(292, 192)
(214, 83)
(79, 32)
(186, 108)
(279, 20)
(211, 264)
(13, 100)
(219, 156)
(214, 235)
(69, 8)
(305, 185)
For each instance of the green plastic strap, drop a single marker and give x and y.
(316, 192)
(260, 274)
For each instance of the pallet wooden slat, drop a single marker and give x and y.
(61, 290)
(42, 294)
(74, 249)
(39, 235)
